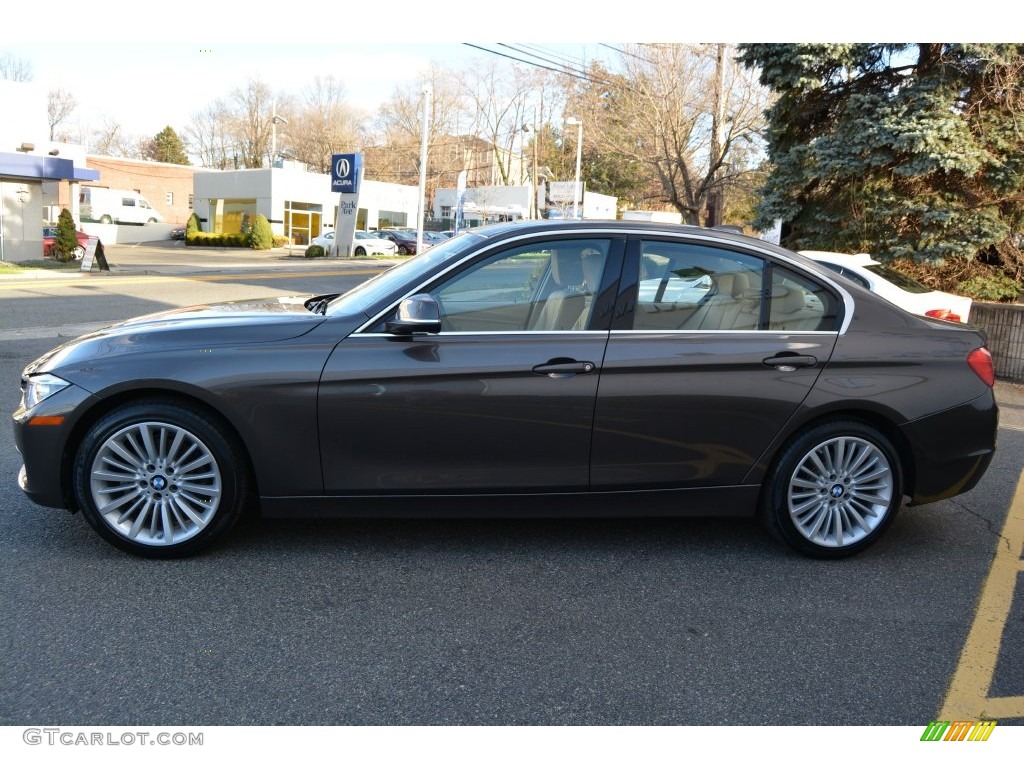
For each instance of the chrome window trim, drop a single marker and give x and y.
(849, 304)
(446, 334)
(648, 332)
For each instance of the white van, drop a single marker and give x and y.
(116, 206)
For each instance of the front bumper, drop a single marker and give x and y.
(45, 446)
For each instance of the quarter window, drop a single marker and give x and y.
(799, 304)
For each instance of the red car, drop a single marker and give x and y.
(50, 243)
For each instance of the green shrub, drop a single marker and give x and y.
(315, 252)
(66, 240)
(217, 239)
(261, 236)
(193, 225)
(990, 288)
(280, 241)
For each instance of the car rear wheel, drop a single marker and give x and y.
(403, 250)
(834, 490)
(104, 219)
(79, 252)
(360, 251)
(158, 480)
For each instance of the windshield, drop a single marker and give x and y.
(897, 278)
(416, 269)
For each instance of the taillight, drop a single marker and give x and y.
(981, 363)
(943, 314)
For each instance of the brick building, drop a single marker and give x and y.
(166, 186)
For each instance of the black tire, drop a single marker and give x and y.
(79, 252)
(130, 491)
(402, 250)
(151, 221)
(834, 490)
(360, 251)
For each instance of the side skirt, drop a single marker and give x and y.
(730, 501)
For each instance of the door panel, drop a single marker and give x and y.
(454, 412)
(704, 367)
(695, 409)
(502, 399)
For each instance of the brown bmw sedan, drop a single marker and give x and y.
(646, 369)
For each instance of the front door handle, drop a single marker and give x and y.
(790, 362)
(561, 369)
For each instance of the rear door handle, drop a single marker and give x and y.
(564, 369)
(790, 362)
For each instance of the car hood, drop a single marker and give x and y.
(208, 325)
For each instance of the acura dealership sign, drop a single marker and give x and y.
(345, 173)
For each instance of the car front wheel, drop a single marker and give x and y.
(79, 252)
(834, 490)
(158, 480)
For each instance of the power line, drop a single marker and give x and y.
(567, 67)
(559, 70)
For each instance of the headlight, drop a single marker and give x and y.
(37, 388)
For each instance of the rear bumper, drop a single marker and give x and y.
(953, 449)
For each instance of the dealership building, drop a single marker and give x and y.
(38, 177)
(298, 204)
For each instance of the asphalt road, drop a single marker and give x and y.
(631, 621)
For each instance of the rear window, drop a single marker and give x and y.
(897, 278)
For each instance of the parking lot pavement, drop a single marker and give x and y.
(982, 688)
(1010, 397)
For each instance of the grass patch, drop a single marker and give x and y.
(49, 264)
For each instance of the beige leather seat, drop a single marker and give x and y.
(564, 305)
(789, 311)
(593, 267)
(719, 308)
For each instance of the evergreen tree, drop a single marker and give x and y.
(903, 151)
(167, 147)
(66, 240)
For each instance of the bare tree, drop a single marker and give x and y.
(111, 140)
(14, 68)
(323, 124)
(673, 112)
(59, 106)
(500, 95)
(252, 109)
(396, 156)
(209, 137)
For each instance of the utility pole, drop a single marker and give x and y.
(716, 202)
(423, 168)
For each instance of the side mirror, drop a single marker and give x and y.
(417, 314)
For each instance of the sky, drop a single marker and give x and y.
(148, 65)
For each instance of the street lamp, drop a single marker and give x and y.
(579, 156)
(275, 120)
